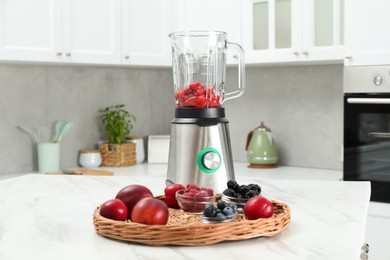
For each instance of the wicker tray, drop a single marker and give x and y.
(187, 229)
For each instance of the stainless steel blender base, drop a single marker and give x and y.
(200, 155)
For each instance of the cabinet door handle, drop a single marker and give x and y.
(127, 57)
(296, 53)
(305, 53)
(68, 54)
(59, 53)
(348, 57)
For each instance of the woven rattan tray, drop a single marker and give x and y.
(187, 229)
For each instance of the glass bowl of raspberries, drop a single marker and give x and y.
(238, 195)
(194, 200)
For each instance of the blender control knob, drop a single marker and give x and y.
(211, 160)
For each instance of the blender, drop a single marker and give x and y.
(200, 149)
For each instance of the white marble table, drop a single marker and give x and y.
(50, 217)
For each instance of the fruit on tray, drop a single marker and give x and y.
(114, 209)
(194, 199)
(170, 195)
(235, 190)
(196, 95)
(131, 194)
(220, 212)
(150, 211)
(258, 207)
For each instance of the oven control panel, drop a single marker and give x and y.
(367, 79)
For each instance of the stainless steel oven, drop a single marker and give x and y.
(367, 128)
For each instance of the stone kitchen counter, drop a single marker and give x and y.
(50, 216)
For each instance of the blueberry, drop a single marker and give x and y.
(228, 211)
(221, 204)
(219, 217)
(210, 211)
(234, 207)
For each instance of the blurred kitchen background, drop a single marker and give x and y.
(303, 106)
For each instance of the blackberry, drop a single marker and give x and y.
(232, 185)
(243, 189)
(255, 187)
(239, 196)
(230, 193)
(250, 194)
(210, 211)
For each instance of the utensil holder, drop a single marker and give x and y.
(48, 157)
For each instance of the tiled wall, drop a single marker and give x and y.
(301, 104)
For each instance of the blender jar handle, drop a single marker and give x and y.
(241, 72)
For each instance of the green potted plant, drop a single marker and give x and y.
(118, 124)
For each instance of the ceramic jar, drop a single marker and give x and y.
(90, 158)
(139, 147)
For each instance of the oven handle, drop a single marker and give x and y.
(379, 135)
(368, 100)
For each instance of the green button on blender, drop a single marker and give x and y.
(209, 160)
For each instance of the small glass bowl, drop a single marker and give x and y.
(208, 220)
(240, 203)
(195, 205)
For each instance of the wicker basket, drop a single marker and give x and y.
(187, 229)
(118, 154)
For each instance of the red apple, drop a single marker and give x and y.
(114, 209)
(131, 194)
(150, 211)
(170, 195)
(258, 207)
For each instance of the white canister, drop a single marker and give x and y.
(139, 148)
(90, 158)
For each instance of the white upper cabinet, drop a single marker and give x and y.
(145, 29)
(367, 38)
(293, 30)
(30, 30)
(75, 31)
(211, 15)
(91, 31)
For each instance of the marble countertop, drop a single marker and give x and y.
(50, 216)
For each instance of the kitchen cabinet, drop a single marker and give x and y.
(293, 30)
(72, 31)
(91, 31)
(145, 29)
(208, 15)
(367, 40)
(30, 30)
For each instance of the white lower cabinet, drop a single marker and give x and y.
(378, 231)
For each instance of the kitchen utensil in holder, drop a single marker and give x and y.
(118, 154)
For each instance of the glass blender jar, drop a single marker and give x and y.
(200, 150)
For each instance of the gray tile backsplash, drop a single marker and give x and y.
(301, 104)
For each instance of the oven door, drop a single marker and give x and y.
(367, 142)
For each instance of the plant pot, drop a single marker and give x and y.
(118, 154)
